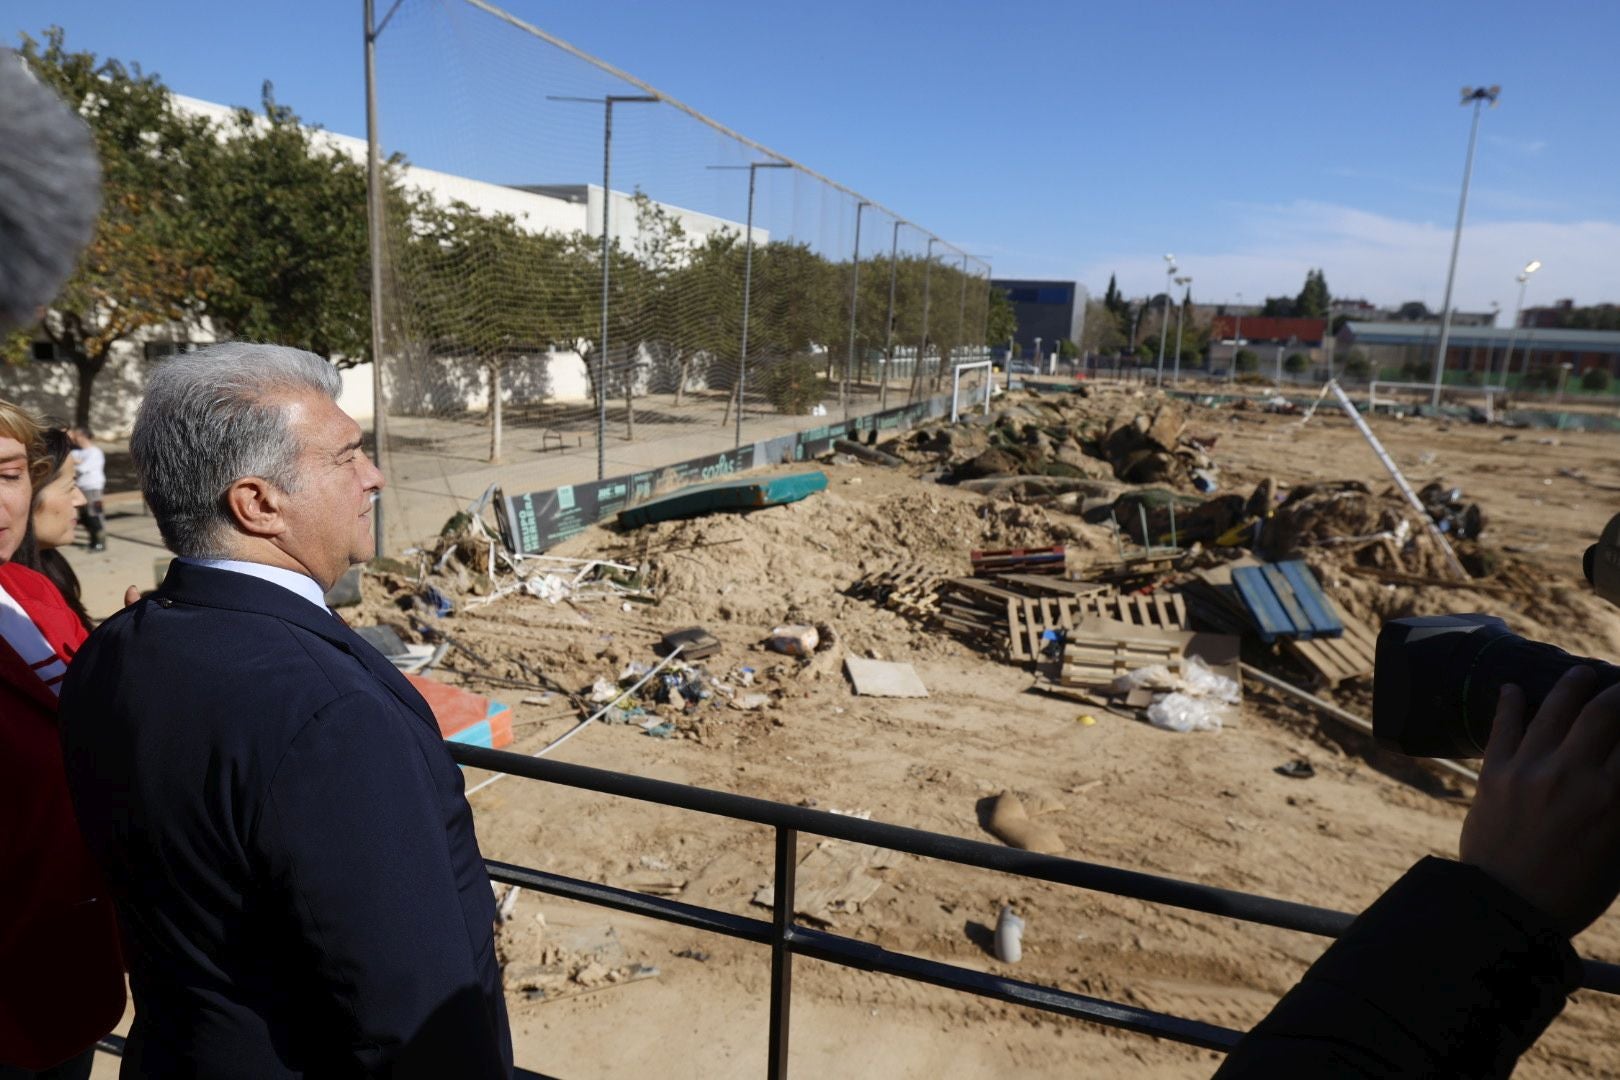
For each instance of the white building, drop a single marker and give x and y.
(47, 384)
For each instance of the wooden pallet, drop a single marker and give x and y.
(1102, 650)
(908, 589)
(1049, 560)
(1332, 661)
(1032, 617)
(1285, 601)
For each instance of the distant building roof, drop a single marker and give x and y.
(1406, 333)
(1269, 328)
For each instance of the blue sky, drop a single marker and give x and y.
(1065, 140)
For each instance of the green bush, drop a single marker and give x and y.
(1540, 378)
(1248, 360)
(1595, 379)
(1357, 367)
(1417, 370)
(793, 385)
(1297, 363)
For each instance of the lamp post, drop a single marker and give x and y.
(1477, 98)
(1175, 378)
(1164, 321)
(607, 104)
(1513, 331)
(753, 168)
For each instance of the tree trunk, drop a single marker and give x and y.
(88, 367)
(494, 413)
(629, 404)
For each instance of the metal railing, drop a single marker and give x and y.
(787, 939)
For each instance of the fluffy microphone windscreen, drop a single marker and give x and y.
(50, 191)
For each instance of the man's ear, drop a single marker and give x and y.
(256, 505)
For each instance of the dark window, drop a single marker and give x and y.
(45, 352)
(157, 350)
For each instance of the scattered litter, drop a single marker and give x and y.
(1013, 825)
(794, 640)
(694, 642)
(881, 678)
(1009, 936)
(751, 702)
(1298, 769)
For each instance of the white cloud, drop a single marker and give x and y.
(1527, 147)
(1385, 259)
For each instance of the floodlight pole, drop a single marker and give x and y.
(1478, 97)
(854, 300)
(1237, 341)
(1513, 331)
(888, 331)
(1175, 378)
(1164, 320)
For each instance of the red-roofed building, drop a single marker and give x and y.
(1263, 329)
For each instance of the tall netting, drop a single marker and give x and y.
(514, 333)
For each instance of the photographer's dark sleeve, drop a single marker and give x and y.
(1447, 974)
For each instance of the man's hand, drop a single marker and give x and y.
(132, 595)
(1546, 820)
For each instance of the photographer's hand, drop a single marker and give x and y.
(1546, 820)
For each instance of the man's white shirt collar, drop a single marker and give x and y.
(291, 580)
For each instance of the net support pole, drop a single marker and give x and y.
(854, 301)
(888, 331)
(374, 226)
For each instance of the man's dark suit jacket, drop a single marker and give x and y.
(286, 840)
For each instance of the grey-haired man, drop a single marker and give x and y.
(284, 833)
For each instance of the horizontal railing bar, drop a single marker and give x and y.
(1135, 884)
(1285, 914)
(851, 952)
(868, 957)
(114, 1045)
(653, 907)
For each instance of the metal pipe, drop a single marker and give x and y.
(782, 930)
(607, 264)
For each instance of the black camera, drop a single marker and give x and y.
(1437, 677)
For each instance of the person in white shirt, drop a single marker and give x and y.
(90, 473)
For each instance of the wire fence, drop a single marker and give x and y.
(583, 277)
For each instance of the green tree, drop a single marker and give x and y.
(1102, 333)
(1313, 300)
(1003, 323)
(1280, 307)
(148, 263)
(1595, 379)
(284, 220)
(487, 291)
(1296, 363)
(1356, 365)
(1248, 360)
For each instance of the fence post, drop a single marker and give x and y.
(787, 863)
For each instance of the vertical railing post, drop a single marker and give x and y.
(787, 850)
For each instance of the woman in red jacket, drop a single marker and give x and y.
(61, 973)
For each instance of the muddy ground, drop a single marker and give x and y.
(1206, 807)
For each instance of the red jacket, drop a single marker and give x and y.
(61, 971)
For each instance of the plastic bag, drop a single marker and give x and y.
(1181, 712)
(1152, 677)
(1197, 680)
